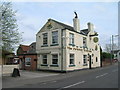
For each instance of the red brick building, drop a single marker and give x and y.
(28, 57)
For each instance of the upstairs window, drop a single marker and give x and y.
(96, 59)
(55, 37)
(71, 39)
(84, 42)
(45, 38)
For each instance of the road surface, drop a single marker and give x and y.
(105, 77)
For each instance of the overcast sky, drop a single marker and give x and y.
(31, 16)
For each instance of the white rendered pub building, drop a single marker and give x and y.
(63, 48)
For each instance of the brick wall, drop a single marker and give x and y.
(33, 65)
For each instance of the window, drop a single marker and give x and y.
(55, 37)
(96, 48)
(84, 59)
(55, 59)
(45, 38)
(92, 61)
(92, 55)
(71, 39)
(71, 59)
(84, 42)
(96, 59)
(27, 61)
(44, 58)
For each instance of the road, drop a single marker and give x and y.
(105, 77)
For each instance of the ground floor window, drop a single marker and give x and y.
(96, 59)
(27, 61)
(71, 59)
(55, 59)
(44, 59)
(84, 59)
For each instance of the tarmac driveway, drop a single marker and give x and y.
(29, 75)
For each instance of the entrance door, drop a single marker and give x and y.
(35, 63)
(89, 61)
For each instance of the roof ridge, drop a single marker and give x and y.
(84, 29)
(60, 23)
(24, 45)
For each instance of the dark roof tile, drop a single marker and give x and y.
(64, 25)
(84, 31)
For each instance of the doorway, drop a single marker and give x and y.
(89, 61)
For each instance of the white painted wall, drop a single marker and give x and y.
(52, 49)
(79, 54)
(78, 39)
(8, 69)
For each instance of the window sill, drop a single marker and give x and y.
(72, 65)
(54, 44)
(44, 64)
(85, 47)
(54, 65)
(72, 44)
(27, 65)
(44, 46)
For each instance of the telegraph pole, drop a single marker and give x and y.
(112, 53)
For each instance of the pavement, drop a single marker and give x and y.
(26, 77)
(105, 77)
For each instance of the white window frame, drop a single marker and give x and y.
(55, 37)
(26, 61)
(73, 59)
(44, 58)
(71, 38)
(84, 42)
(84, 60)
(45, 37)
(54, 58)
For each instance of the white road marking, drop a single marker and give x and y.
(101, 75)
(44, 83)
(74, 84)
(54, 81)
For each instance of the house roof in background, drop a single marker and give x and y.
(32, 48)
(25, 47)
